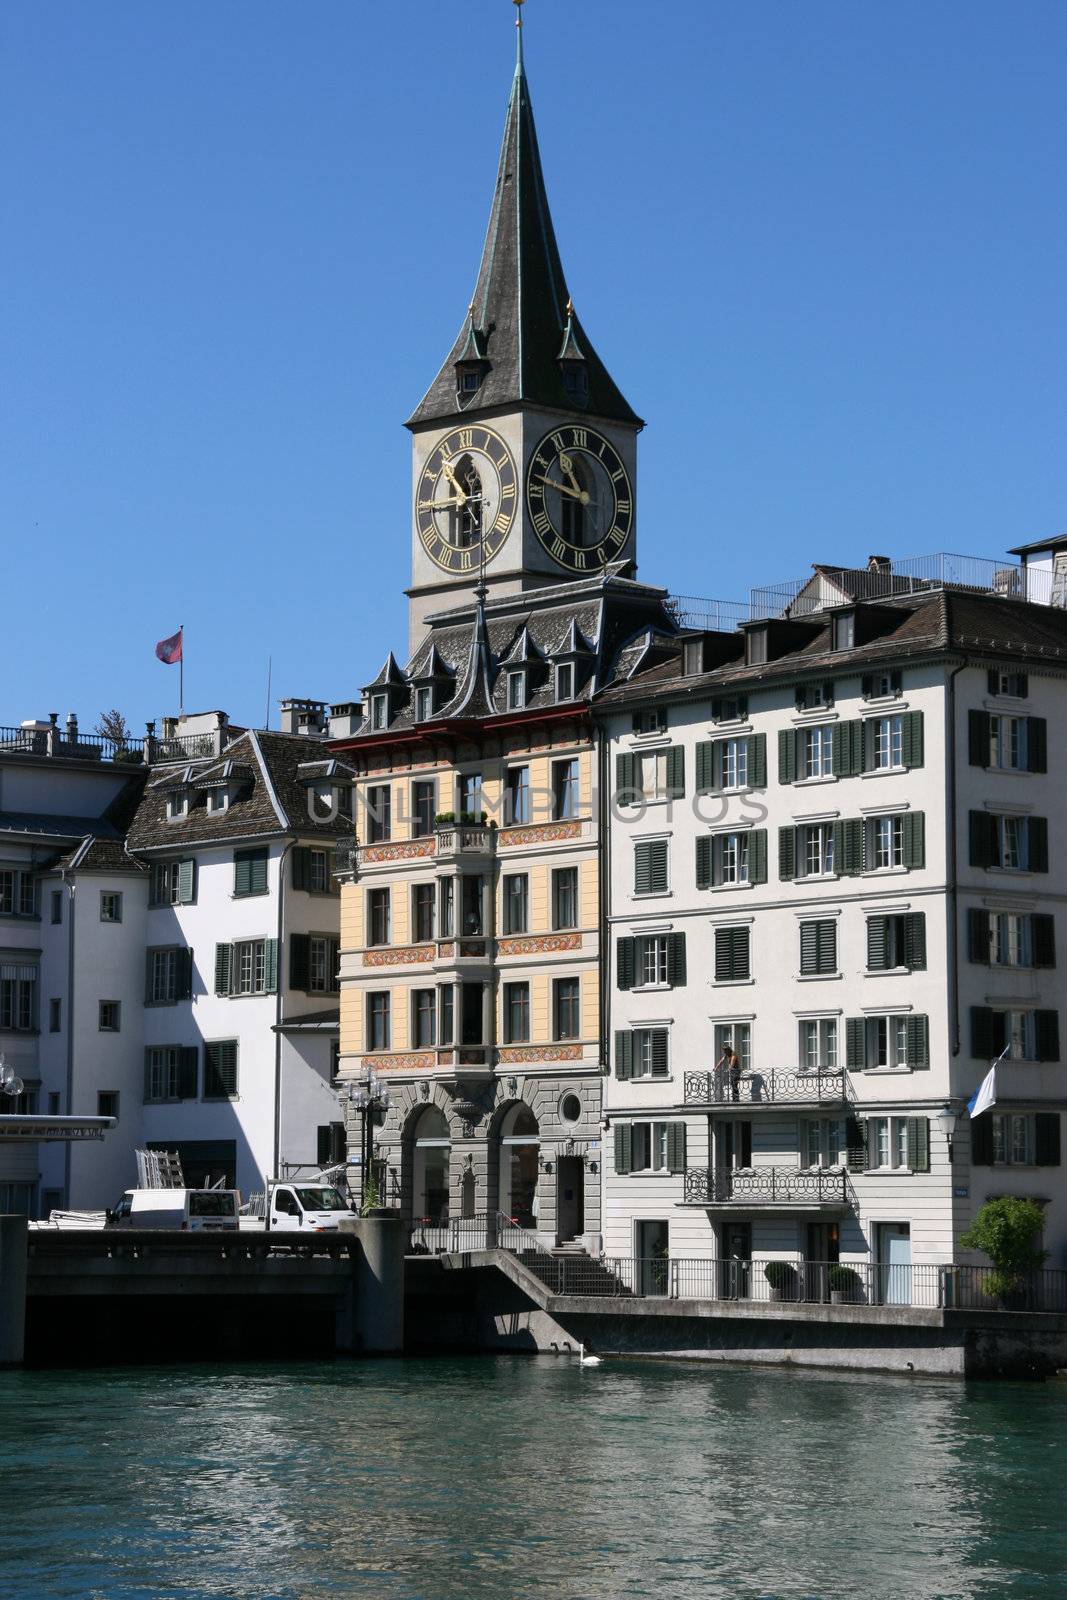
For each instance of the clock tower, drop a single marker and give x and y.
(524, 449)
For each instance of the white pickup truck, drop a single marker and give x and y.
(303, 1207)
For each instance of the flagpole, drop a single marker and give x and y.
(181, 673)
(270, 663)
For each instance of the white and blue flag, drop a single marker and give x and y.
(986, 1093)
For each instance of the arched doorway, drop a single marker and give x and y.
(520, 1145)
(430, 1171)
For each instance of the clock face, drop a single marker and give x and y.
(466, 498)
(580, 498)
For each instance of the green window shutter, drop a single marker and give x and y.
(301, 879)
(982, 1033)
(856, 1144)
(918, 1041)
(658, 866)
(659, 1049)
(978, 738)
(323, 1139)
(705, 847)
(827, 953)
(914, 839)
(299, 960)
(877, 944)
(801, 700)
(625, 778)
(625, 962)
(1047, 1139)
(188, 1064)
(787, 850)
(270, 951)
(147, 1077)
(867, 685)
(624, 1144)
(1037, 839)
(896, 680)
(148, 977)
(185, 975)
(912, 740)
(333, 957)
(223, 968)
(757, 761)
(809, 947)
(259, 872)
(676, 772)
(742, 953)
(841, 750)
(978, 935)
(642, 867)
(676, 1147)
(757, 856)
(676, 960)
(624, 1053)
(915, 941)
(857, 742)
(705, 766)
(242, 872)
(1047, 1029)
(919, 1144)
(787, 755)
(186, 882)
(982, 1140)
(856, 1042)
(1037, 744)
(1044, 941)
(848, 846)
(983, 839)
(723, 954)
(220, 1069)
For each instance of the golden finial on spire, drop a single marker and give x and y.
(570, 308)
(518, 19)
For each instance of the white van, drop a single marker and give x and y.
(311, 1207)
(189, 1210)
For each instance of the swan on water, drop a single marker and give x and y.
(587, 1361)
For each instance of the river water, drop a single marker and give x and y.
(510, 1477)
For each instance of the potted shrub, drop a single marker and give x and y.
(782, 1277)
(844, 1284)
(1007, 1230)
(444, 819)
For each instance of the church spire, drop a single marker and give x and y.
(520, 314)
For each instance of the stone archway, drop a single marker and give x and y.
(517, 1146)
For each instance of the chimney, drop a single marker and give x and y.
(303, 716)
(345, 719)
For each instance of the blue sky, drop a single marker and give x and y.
(822, 248)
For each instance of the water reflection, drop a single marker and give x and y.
(458, 1480)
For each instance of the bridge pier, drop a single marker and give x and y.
(13, 1264)
(375, 1323)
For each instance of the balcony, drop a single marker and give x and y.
(776, 1087)
(824, 1191)
(464, 839)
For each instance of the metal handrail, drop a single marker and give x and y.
(790, 1084)
(766, 1185)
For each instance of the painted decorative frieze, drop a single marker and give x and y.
(403, 850)
(514, 1053)
(539, 833)
(541, 944)
(401, 956)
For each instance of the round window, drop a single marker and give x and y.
(570, 1108)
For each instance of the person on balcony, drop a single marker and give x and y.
(728, 1074)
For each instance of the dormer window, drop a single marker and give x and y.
(516, 691)
(845, 631)
(470, 380)
(218, 800)
(652, 720)
(379, 711)
(576, 381)
(565, 681)
(177, 805)
(344, 796)
(756, 651)
(423, 704)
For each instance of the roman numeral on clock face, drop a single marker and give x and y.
(542, 524)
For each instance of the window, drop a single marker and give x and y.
(318, 875)
(172, 883)
(879, 685)
(649, 1146)
(732, 954)
(565, 789)
(423, 807)
(651, 866)
(470, 795)
(378, 916)
(734, 1036)
(171, 1072)
(845, 631)
(818, 1044)
(516, 890)
(1010, 683)
(169, 975)
(250, 967)
(887, 1142)
(57, 905)
(566, 1008)
(424, 1018)
(423, 703)
(218, 799)
(250, 872)
(1013, 939)
(107, 1103)
(652, 720)
(379, 711)
(55, 1016)
(110, 907)
(110, 1014)
(378, 1021)
(448, 908)
(731, 859)
(818, 946)
(729, 708)
(471, 381)
(653, 969)
(818, 751)
(516, 1013)
(650, 1053)
(652, 961)
(473, 906)
(888, 742)
(734, 757)
(177, 805)
(379, 813)
(220, 1069)
(18, 893)
(422, 908)
(565, 897)
(885, 838)
(322, 964)
(817, 849)
(517, 797)
(1008, 743)
(824, 1142)
(651, 775)
(897, 941)
(344, 794)
(446, 1010)
(516, 691)
(811, 696)
(565, 681)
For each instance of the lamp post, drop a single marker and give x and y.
(10, 1082)
(946, 1121)
(367, 1097)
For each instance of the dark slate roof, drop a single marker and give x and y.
(272, 801)
(101, 855)
(59, 828)
(948, 622)
(518, 319)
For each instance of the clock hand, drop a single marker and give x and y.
(567, 463)
(454, 481)
(575, 494)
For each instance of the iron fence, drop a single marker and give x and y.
(759, 1186)
(789, 1085)
(982, 1289)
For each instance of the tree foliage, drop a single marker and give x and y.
(112, 725)
(1007, 1230)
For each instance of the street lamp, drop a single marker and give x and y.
(368, 1097)
(10, 1082)
(946, 1121)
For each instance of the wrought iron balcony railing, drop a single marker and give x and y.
(822, 1086)
(761, 1186)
